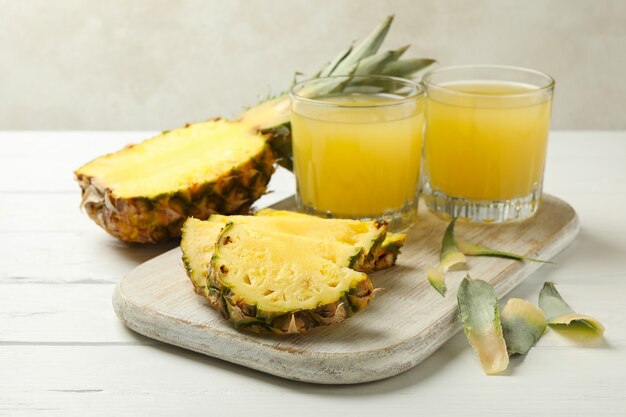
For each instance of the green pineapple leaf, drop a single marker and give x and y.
(369, 46)
(405, 68)
(374, 64)
(332, 65)
(475, 249)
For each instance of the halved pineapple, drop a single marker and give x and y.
(380, 256)
(263, 282)
(145, 192)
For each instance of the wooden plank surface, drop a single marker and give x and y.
(403, 326)
(63, 351)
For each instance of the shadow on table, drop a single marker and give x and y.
(138, 253)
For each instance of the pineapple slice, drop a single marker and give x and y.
(270, 281)
(198, 244)
(364, 236)
(350, 244)
(145, 192)
(380, 256)
(199, 237)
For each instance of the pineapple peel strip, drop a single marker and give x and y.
(449, 259)
(475, 249)
(478, 307)
(523, 325)
(436, 278)
(559, 313)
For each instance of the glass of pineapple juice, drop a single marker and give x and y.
(357, 144)
(485, 141)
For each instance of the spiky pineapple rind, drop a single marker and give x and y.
(387, 253)
(248, 317)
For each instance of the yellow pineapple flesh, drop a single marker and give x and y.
(145, 192)
(364, 236)
(197, 244)
(350, 243)
(265, 283)
(380, 256)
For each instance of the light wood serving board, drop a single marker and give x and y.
(401, 327)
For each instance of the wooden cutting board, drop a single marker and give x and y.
(400, 328)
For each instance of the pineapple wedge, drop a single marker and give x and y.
(197, 245)
(275, 282)
(344, 239)
(145, 192)
(365, 237)
(381, 256)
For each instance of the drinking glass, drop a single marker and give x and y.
(357, 144)
(485, 141)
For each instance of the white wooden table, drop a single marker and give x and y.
(64, 352)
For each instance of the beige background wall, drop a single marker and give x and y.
(98, 64)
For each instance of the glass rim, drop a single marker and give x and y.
(428, 83)
(418, 90)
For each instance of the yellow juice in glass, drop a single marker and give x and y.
(485, 143)
(479, 148)
(357, 155)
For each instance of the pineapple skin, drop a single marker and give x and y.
(160, 218)
(272, 117)
(387, 253)
(281, 144)
(248, 317)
